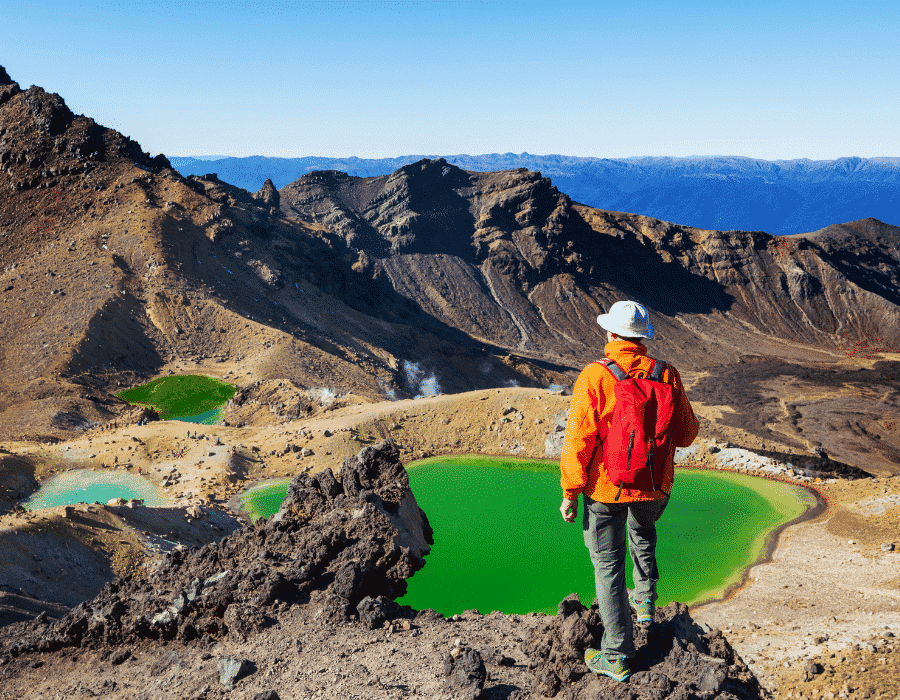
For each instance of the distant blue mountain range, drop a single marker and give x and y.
(715, 192)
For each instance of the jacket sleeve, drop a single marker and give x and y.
(687, 426)
(581, 437)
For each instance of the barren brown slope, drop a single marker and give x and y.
(117, 269)
(506, 258)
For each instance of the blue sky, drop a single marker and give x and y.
(801, 79)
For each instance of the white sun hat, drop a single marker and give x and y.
(628, 319)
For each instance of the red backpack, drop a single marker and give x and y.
(637, 445)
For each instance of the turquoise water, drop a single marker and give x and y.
(86, 486)
(206, 418)
(501, 544)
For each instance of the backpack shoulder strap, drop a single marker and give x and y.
(656, 371)
(614, 369)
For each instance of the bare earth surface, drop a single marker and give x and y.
(819, 600)
(323, 299)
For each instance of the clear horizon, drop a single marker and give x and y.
(378, 79)
(205, 156)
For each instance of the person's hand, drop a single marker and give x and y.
(569, 510)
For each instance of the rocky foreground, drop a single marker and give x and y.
(302, 605)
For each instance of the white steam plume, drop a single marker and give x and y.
(417, 381)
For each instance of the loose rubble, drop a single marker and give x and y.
(330, 546)
(338, 554)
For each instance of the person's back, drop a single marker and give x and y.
(611, 510)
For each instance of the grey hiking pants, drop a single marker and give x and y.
(605, 526)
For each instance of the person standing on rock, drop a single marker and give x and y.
(611, 510)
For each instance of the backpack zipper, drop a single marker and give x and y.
(630, 446)
(628, 463)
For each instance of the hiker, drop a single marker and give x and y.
(619, 496)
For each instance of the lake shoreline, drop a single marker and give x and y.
(771, 538)
(788, 503)
(770, 544)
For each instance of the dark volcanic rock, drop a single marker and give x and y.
(8, 87)
(374, 612)
(465, 674)
(556, 653)
(674, 658)
(267, 695)
(268, 195)
(340, 553)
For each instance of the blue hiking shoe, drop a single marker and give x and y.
(617, 670)
(644, 609)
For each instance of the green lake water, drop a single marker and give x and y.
(87, 486)
(263, 499)
(501, 544)
(192, 398)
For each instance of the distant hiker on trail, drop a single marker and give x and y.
(629, 412)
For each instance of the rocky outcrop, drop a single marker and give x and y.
(674, 658)
(268, 195)
(343, 550)
(8, 87)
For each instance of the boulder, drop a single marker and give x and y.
(674, 658)
(231, 670)
(464, 674)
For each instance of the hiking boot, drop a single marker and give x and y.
(617, 670)
(644, 609)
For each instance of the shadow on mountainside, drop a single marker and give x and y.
(640, 271)
(17, 481)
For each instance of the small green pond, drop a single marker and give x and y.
(500, 543)
(193, 398)
(88, 486)
(263, 499)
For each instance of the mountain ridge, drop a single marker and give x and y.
(721, 192)
(118, 269)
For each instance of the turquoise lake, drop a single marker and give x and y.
(88, 486)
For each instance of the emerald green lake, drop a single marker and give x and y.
(87, 486)
(192, 398)
(501, 544)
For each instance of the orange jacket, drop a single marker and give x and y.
(592, 404)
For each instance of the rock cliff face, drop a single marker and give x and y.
(343, 550)
(507, 259)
